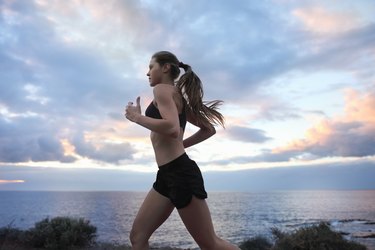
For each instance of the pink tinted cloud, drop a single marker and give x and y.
(360, 106)
(11, 181)
(351, 134)
(322, 20)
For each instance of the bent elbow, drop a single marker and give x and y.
(210, 130)
(213, 130)
(175, 135)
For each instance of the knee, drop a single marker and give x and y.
(132, 237)
(137, 238)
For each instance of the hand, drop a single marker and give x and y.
(132, 112)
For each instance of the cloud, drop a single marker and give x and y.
(109, 152)
(11, 181)
(29, 139)
(328, 176)
(51, 90)
(245, 134)
(265, 156)
(321, 20)
(68, 67)
(347, 51)
(351, 134)
(272, 108)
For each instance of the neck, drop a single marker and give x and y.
(167, 81)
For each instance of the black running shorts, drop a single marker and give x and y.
(179, 180)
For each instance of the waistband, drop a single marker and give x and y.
(182, 158)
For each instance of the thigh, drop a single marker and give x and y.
(154, 210)
(197, 219)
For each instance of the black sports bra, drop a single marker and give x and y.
(153, 112)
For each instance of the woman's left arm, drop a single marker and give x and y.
(205, 131)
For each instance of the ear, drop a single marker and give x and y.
(166, 67)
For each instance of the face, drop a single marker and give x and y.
(155, 73)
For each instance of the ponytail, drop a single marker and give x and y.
(192, 90)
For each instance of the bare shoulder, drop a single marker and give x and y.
(163, 91)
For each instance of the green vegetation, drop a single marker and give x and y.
(257, 243)
(62, 233)
(318, 237)
(57, 233)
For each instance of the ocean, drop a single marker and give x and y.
(236, 215)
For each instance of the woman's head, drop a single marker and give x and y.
(190, 87)
(166, 58)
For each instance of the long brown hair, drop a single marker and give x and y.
(191, 88)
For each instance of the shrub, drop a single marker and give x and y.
(60, 233)
(9, 234)
(256, 243)
(318, 237)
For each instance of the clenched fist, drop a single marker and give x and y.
(132, 112)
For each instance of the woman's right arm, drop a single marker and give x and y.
(205, 131)
(169, 124)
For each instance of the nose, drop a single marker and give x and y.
(148, 73)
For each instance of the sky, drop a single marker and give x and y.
(297, 78)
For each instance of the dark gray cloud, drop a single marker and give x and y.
(104, 152)
(329, 176)
(265, 156)
(30, 139)
(272, 109)
(245, 134)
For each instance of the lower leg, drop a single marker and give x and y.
(138, 243)
(197, 219)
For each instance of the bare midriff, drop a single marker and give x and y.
(167, 148)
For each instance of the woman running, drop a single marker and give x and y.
(179, 183)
